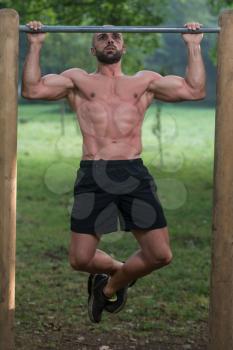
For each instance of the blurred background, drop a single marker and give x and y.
(168, 309)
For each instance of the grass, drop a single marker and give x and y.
(49, 295)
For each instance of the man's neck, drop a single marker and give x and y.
(110, 70)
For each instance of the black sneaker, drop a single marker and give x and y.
(117, 306)
(112, 306)
(131, 284)
(97, 300)
(89, 283)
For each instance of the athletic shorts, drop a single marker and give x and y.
(112, 195)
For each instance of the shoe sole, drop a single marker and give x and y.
(132, 283)
(89, 284)
(90, 301)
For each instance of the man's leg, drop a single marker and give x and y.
(155, 253)
(84, 255)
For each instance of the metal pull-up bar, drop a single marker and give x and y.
(121, 29)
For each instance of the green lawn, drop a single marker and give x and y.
(50, 296)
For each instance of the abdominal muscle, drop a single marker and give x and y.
(110, 130)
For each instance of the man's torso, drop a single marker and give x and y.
(110, 112)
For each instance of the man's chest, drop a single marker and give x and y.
(126, 89)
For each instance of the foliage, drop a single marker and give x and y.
(62, 51)
(217, 5)
(163, 53)
(89, 12)
(183, 11)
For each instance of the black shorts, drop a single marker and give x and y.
(108, 190)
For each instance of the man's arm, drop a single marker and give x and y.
(172, 88)
(48, 87)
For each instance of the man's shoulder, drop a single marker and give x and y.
(74, 72)
(148, 74)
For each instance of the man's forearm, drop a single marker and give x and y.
(31, 70)
(195, 73)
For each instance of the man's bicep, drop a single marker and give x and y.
(54, 86)
(171, 88)
(50, 87)
(57, 86)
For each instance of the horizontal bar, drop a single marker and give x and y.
(120, 29)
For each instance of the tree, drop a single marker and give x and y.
(217, 5)
(90, 12)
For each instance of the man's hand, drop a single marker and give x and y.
(193, 38)
(35, 37)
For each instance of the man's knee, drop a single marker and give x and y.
(82, 249)
(79, 262)
(166, 258)
(160, 258)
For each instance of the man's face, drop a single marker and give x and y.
(108, 47)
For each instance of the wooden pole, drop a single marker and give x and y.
(221, 297)
(9, 36)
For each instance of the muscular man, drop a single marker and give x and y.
(112, 182)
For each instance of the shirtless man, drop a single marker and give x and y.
(112, 181)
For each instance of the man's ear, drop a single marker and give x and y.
(93, 51)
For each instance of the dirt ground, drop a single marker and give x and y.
(71, 339)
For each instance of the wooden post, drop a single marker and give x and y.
(221, 298)
(9, 36)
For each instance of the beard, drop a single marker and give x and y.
(107, 58)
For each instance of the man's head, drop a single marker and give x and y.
(108, 47)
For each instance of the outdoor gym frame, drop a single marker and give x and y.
(120, 29)
(221, 286)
